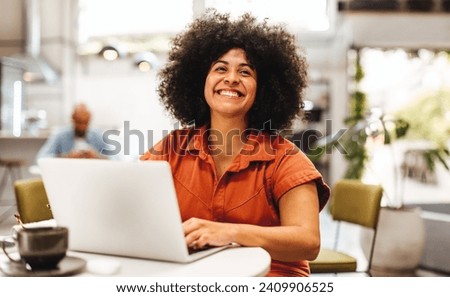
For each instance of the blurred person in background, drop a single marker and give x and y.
(76, 141)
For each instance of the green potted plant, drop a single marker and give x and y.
(401, 230)
(400, 239)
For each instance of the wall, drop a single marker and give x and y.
(122, 98)
(10, 27)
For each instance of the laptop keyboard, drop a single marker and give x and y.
(196, 250)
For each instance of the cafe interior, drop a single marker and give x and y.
(377, 106)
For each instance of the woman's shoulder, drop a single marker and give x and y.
(286, 153)
(283, 146)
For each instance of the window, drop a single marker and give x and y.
(99, 18)
(396, 78)
(300, 15)
(413, 85)
(152, 23)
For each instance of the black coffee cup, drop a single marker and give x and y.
(41, 248)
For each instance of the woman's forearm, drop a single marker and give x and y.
(284, 243)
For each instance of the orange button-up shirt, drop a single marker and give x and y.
(250, 189)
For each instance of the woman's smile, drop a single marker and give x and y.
(229, 93)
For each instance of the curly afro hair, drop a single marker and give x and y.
(282, 72)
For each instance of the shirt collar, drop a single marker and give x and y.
(198, 142)
(259, 147)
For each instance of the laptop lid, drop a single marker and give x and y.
(116, 207)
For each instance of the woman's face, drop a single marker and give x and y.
(230, 86)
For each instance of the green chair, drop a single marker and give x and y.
(356, 203)
(32, 201)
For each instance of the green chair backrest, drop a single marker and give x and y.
(356, 202)
(32, 201)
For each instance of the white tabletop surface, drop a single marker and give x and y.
(231, 262)
(237, 261)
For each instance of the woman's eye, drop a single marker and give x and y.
(246, 72)
(221, 68)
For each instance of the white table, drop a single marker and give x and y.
(236, 261)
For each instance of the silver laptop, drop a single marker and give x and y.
(118, 208)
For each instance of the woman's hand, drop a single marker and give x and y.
(200, 233)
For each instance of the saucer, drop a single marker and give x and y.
(68, 266)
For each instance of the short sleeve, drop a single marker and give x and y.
(295, 169)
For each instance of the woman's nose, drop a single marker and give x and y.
(231, 78)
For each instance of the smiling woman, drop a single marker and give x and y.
(271, 52)
(234, 84)
(230, 87)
